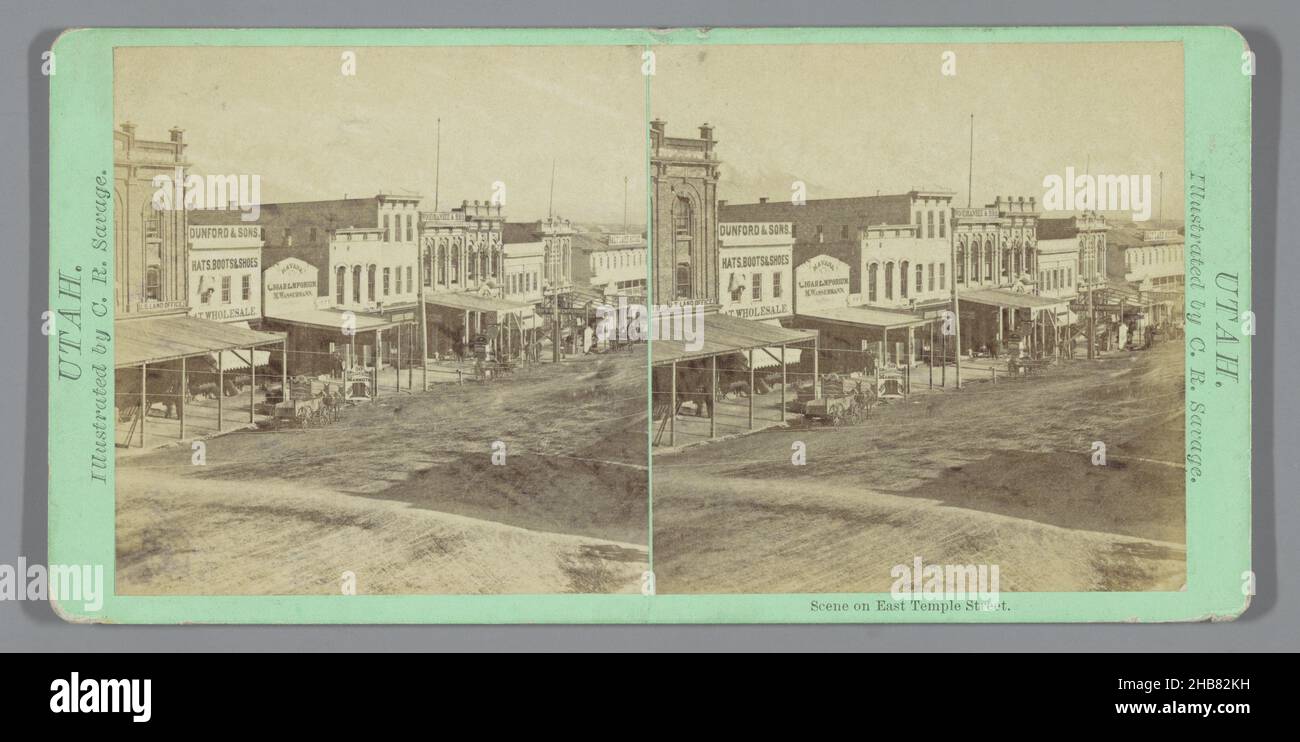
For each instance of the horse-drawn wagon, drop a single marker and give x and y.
(309, 403)
(844, 400)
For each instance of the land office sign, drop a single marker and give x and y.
(821, 282)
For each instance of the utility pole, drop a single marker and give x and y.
(555, 325)
(970, 168)
(624, 204)
(550, 204)
(437, 166)
(952, 261)
(1161, 216)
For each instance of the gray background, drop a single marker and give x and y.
(1270, 27)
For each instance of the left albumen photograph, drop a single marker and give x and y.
(358, 295)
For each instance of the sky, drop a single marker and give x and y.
(854, 120)
(846, 120)
(310, 132)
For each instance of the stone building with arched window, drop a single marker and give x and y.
(684, 241)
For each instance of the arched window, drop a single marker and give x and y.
(975, 262)
(889, 281)
(340, 277)
(370, 283)
(920, 277)
(961, 264)
(988, 260)
(356, 284)
(683, 253)
(871, 281)
(902, 280)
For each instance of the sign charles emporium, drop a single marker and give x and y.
(290, 285)
(821, 282)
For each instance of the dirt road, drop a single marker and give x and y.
(995, 474)
(404, 493)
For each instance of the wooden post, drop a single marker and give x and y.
(144, 400)
(817, 381)
(931, 364)
(374, 375)
(713, 398)
(284, 369)
(782, 383)
(751, 389)
(884, 343)
(221, 384)
(252, 384)
(672, 410)
(184, 398)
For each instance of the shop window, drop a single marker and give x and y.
(153, 283)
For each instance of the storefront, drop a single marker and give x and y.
(755, 270)
(1004, 322)
(853, 338)
(225, 281)
(459, 324)
(325, 339)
